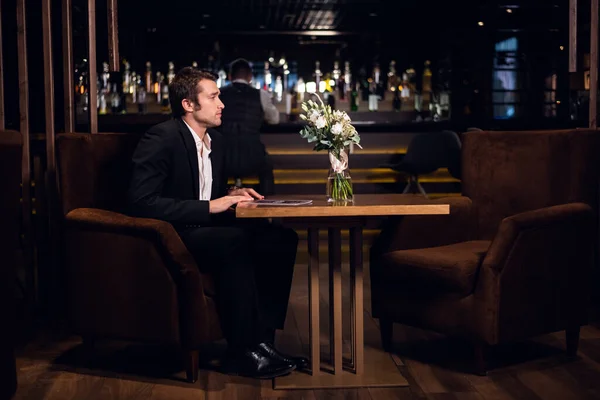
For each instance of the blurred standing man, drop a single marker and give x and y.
(245, 110)
(178, 177)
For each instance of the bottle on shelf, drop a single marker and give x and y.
(354, 97)
(166, 105)
(105, 77)
(338, 78)
(426, 88)
(347, 78)
(133, 87)
(374, 88)
(148, 77)
(141, 100)
(115, 100)
(294, 109)
(158, 87)
(286, 73)
(102, 106)
(126, 77)
(221, 78)
(392, 78)
(268, 78)
(373, 97)
(364, 84)
(396, 102)
(300, 89)
(318, 74)
(278, 89)
(171, 72)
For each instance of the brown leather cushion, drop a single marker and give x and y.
(451, 268)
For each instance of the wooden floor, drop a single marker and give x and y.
(53, 367)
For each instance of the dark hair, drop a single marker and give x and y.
(185, 86)
(240, 69)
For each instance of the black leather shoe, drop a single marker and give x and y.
(256, 364)
(270, 350)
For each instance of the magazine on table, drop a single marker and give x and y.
(266, 202)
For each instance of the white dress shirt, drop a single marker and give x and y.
(203, 147)
(271, 114)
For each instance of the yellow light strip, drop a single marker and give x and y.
(356, 171)
(306, 152)
(359, 176)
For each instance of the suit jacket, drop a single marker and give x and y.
(164, 183)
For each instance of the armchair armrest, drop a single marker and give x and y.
(557, 226)
(421, 231)
(144, 261)
(161, 232)
(536, 275)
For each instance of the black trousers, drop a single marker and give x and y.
(252, 264)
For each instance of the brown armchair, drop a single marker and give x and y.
(10, 212)
(514, 257)
(128, 278)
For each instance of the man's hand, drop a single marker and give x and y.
(243, 191)
(224, 203)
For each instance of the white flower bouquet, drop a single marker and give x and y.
(331, 131)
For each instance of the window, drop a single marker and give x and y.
(550, 100)
(506, 83)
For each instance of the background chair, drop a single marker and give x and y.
(10, 212)
(426, 153)
(513, 259)
(128, 278)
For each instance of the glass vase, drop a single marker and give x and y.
(339, 181)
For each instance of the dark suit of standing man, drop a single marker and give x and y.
(178, 177)
(245, 110)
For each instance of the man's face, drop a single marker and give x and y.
(207, 111)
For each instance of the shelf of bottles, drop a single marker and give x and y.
(343, 89)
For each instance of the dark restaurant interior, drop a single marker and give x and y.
(447, 244)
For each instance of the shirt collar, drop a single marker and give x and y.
(206, 140)
(240, 81)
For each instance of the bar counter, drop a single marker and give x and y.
(363, 121)
(381, 121)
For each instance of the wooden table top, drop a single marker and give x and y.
(363, 205)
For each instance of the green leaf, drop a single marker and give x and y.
(319, 147)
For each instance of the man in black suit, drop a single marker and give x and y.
(178, 177)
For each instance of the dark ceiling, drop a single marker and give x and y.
(362, 31)
(302, 29)
(291, 15)
(282, 16)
